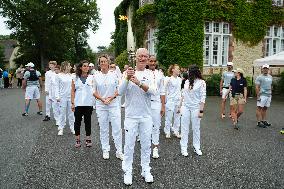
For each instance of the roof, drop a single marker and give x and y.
(9, 46)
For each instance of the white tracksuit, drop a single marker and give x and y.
(63, 93)
(106, 85)
(47, 86)
(156, 105)
(190, 110)
(137, 119)
(173, 96)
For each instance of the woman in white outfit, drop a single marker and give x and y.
(63, 96)
(108, 107)
(173, 96)
(193, 100)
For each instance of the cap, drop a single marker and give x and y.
(265, 66)
(230, 64)
(240, 70)
(91, 64)
(30, 64)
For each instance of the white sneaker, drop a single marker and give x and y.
(177, 135)
(127, 178)
(106, 155)
(123, 105)
(147, 176)
(119, 156)
(155, 153)
(72, 131)
(168, 135)
(184, 153)
(60, 132)
(138, 138)
(198, 152)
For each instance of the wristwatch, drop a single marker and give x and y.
(140, 84)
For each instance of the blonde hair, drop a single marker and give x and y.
(106, 57)
(64, 66)
(52, 62)
(170, 70)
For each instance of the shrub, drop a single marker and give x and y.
(213, 85)
(121, 59)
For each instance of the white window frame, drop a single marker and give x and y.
(152, 41)
(278, 3)
(274, 40)
(222, 34)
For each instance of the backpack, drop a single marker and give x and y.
(33, 76)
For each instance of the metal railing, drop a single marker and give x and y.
(144, 2)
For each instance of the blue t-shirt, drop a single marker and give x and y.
(5, 74)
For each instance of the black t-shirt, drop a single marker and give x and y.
(238, 85)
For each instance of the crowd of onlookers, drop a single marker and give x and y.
(7, 78)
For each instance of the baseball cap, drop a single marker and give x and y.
(265, 66)
(91, 64)
(230, 64)
(30, 64)
(240, 70)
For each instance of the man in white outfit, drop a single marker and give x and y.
(157, 104)
(138, 88)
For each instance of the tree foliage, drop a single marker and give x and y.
(2, 57)
(52, 29)
(122, 60)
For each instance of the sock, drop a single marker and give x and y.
(27, 107)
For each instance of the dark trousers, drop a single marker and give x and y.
(81, 111)
(6, 82)
(19, 84)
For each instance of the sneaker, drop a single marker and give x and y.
(168, 135)
(223, 116)
(60, 132)
(176, 134)
(261, 125)
(230, 116)
(123, 105)
(119, 155)
(25, 114)
(155, 153)
(72, 131)
(39, 113)
(127, 178)
(78, 144)
(282, 131)
(266, 123)
(198, 152)
(106, 155)
(184, 153)
(46, 118)
(147, 176)
(138, 138)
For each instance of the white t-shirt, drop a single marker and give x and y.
(63, 86)
(84, 91)
(173, 88)
(195, 96)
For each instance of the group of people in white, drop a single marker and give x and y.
(148, 96)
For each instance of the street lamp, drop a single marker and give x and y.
(131, 56)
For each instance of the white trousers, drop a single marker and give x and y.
(56, 111)
(190, 115)
(171, 114)
(47, 106)
(65, 107)
(132, 127)
(156, 118)
(105, 116)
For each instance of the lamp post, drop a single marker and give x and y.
(131, 56)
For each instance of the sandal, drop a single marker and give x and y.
(88, 143)
(78, 144)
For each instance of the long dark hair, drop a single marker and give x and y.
(193, 73)
(79, 68)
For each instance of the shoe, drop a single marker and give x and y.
(230, 116)
(119, 155)
(168, 135)
(88, 143)
(106, 155)
(25, 114)
(123, 105)
(46, 118)
(147, 176)
(127, 178)
(184, 153)
(72, 131)
(39, 113)
(177, 135)
(261, 125)
(138, 138)
(78, 144)
(155, 153)
(60, 132)
(198, 152)
(282, 131)
(266, 123)
(223, 116)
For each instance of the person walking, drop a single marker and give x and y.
(82, 89)
(192, 109)
(173, 96)
(1, 79)
(224, 87)
(6, 78)
(138, 87)
(31, 84)
(108, 107)
(63, 97)
(238, 96)
(263, 89)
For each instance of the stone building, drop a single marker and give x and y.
(10, 52)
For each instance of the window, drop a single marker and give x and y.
(151, 41)
(216, 43)
(277, 2)
(274, 40)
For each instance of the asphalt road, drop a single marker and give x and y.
(33, 156)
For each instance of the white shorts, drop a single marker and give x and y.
(264, 101)
(32, 92)
(224, 92)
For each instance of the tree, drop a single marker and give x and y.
(2, 57)
(122, 59)
(52, 29)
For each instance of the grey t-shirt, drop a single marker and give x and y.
(227, 77)
(265, 82)
(27, 76)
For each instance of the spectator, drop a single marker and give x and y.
(6, 78)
